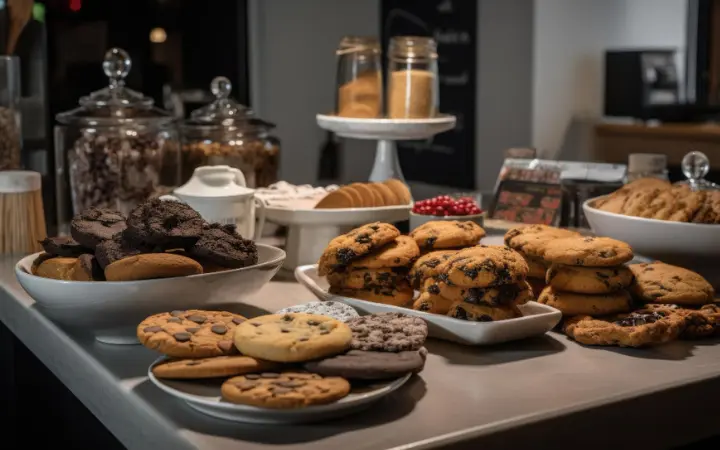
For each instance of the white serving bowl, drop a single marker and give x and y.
(112, 309)
(691, 245)
(418, 219)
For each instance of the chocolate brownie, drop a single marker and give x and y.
(116, 249)
(95, 225)
(223, 245)
(63, 246)
(165, 224)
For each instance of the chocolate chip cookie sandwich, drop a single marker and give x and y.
(159, 239)
(530, 241)
(481, 283)
(587, 276)
(370, 263)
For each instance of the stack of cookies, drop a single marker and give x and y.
(587, 276)
(391, 192)
(283, 361)
(370, 263)
(530, 242)
(481, 283)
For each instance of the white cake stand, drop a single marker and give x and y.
(386, 132)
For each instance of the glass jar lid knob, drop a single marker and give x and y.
(116, 66)
(221, 87)
(695, 165)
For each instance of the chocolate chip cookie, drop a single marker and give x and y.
(165, 224)
(588, 251)
(427, 266)
(589, 280)
(285, 390)
(432, 303)
(441, 234)
(572, 304)
(637, 329)
(483, 266)
(399, 253)
(388, 332)
(63, 246)
(359, 242)
(699, 323)
(504, 295)
(531, 240)
(663, 283)
(362, 365)
(367, 278)
(223, 245)
(149, 266)
(215, 367)
(482, 313)
(190, 334)
(293, 337)
(57, 268)
(398, 295)
(95, 225)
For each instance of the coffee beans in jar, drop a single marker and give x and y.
(9, 139)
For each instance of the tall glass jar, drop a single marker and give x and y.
(227, 133)
(116, 150)
(412, 78)
(359, 78)
(10, 138)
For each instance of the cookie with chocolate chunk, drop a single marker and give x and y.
(427, 265)
(589, 280)
(482, 313)
(166, 224)
(95, 225)
(588, 251)
(285, 390)
(63, 246)
(637, 329)
(361, 241)
(368, 278)
(398, 295)
(190, 334)
(484, 266)
(399, 253)
(572, 304)
(388, 332)
(439, 234)
(658, 282)
(432, 303)
(215, 367)
(223, 245)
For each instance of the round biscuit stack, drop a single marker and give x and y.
(587, 276)
(481, 283)
(530, 242)
(370, 263)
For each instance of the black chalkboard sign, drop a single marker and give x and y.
(449, 158)
(527, 202)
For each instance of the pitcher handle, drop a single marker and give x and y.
(239, 176)
(260, 205)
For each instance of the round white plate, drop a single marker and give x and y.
(337, 217)
(204, 396)
(386, 129)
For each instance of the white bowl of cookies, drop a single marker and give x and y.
(663, 222)
(114, 271)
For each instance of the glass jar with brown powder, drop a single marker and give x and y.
(227, 133)
(412, 78)
(359, 79)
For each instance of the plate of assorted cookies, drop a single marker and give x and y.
(114, 270)
(467, 292)
(306, 363)
(609, 296)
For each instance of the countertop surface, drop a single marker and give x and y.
(545, 392)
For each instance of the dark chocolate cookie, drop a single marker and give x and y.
(222, 245)
(116, 249)
(359, 364)
(388, 332)
(87, 268)
(166, 224)
(63, 246)
(95, 225)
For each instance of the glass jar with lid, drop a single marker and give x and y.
(412, 78)
(116, 149)
(10, 139)
(228, 133)
(359, 78)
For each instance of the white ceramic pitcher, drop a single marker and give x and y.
(220, 194)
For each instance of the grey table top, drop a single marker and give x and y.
(546, 392)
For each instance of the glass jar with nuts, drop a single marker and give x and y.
(227, 133)
(116, 150)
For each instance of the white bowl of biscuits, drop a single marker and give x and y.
(114, 271)
(375, 269)
(662, 221)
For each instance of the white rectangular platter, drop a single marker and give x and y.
(537, 319)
